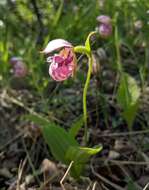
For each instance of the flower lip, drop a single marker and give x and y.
(104, 19)
(55, 45)
(62, 65)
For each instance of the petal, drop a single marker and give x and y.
(52, 67)
(58, 59)
(68, 60)
(105, 30)
(104, 19)
(14, 60)
(56, 75)
(20, 69)
(59, 73)
(55, 45)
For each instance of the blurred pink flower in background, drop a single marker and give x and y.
(63, 64)
(105, 30)
(105, 26)
(14, 60)
(104, 19)
(18, 66)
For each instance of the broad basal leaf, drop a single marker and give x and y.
(128, 97)
(76, 126)
(56, 137)
(80, 156)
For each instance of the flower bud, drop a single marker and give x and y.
(18, 66)
(20, 69)
(105, 30)
(105, 26)
(104, 19)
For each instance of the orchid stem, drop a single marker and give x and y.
(85, 96)
(86, 50)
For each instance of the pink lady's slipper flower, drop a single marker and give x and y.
(105, 30)
(20, 69)
(18, 66)
(105, 27)
(63, 63)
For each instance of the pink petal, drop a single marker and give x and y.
(63, 71)
(55, 45)
(62, 65)
(69, 60)
(104, 19)
(52, 68)
(56, 75)
(105, 30)
(59, 73)
(20, 69)
(14, 60)
(58, 59)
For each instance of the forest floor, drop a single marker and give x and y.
(25, 162)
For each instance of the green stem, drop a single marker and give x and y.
(85, 96)
(86, 50)
(117, 44)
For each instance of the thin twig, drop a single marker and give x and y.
(11, 140)
(94, 185)
(20, 172)
(146, 186)
(20, 104)
(128, 176)
(124, 133)
(88, 188)
(117, 187)
(42, 187)
(65, 175)
(104, 187)
(128, 162)
(30, 162)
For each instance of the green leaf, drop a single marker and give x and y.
(62, 144)
(81, 49)
(76, 126)
(56, 137)
(58, 13)
(130, 113)
(39, 120)
(128, 97)
(58, 140)
(87, 42)
(80, 156)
